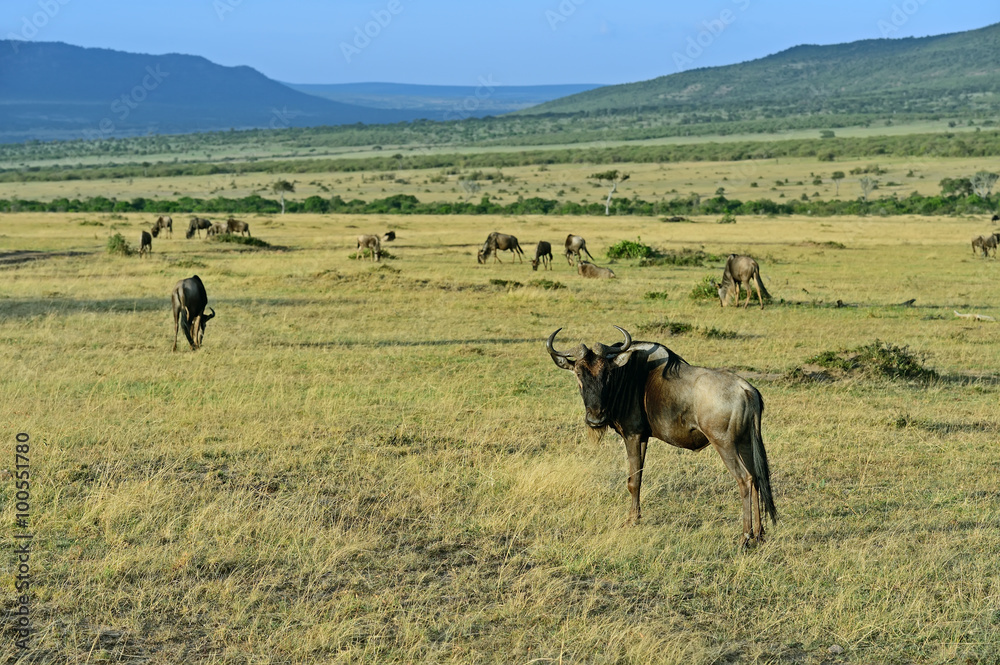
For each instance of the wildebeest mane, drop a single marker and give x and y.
(624, 390)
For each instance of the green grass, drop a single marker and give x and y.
(382, 464)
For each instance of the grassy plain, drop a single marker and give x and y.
(744, 180)
(381, 464)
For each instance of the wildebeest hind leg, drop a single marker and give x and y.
(730, 457)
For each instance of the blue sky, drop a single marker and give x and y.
(454, 42)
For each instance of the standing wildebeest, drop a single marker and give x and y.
(644, 390)
(145, 243)
(995, 219)
(163, 222)
(371, 243)
(587, 269)
(189, 300)
(990, 242)
(499, 242)
(217, 229)
(575, 245)
(740, 271)
(196, 226)
(977, 243)
(543, 253)
(237, 226)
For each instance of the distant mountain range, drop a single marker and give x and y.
(51, 90)
(926, 74)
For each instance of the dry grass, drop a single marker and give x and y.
(381, 464)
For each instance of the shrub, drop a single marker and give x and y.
(685, 257)
(727, 218)
(666, 327)
(626, 249)
(118, 245)
(877, 359)
(705, 289)
(240, 240)
(546, 284)
(656, 295)
(506, 284)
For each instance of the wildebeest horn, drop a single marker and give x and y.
(551, 348)
(625, 346)
(212, 315)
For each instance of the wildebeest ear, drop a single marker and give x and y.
(621, 359)
(563, 362)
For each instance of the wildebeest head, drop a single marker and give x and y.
(200, 333)
(534, 264)
(593, 369)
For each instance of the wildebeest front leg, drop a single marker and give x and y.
(635, 447)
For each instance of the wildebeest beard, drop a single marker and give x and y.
(622, 396)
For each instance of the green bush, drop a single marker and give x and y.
(118, 245)
(666, 327)
(241, 240)
(546, 284)
(727, 218)
(626, 249)
(705, 289)
(685, 257)
(877, 359)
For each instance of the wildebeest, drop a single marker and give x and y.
(575, 245)
(587, 269)
(740, 271)
(499, 242)
(189, 300)
(216, 229)
(370, 243)
(990, 242)
(163, 222)
(643, 390)
(995, 219)
(543, 253)
(145, 243)
(237, 226)
(977, 243)
(388, 236)
(196, 226)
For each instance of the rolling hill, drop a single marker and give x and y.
(51, 90)
(916, 75)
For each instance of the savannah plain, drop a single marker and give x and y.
(379, 462)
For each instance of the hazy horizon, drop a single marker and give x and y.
(521, 43)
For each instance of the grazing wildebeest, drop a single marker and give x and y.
(977, 243)
(196, 226)
(163, 222)
(587, 269)
(740, 271)
(145, 243)
(543, 253)
(499, 242)
(217, 229)
(389, 236)
(189, 300)
(237, 226)
(370, 243)
(643, 390)
(575, 245)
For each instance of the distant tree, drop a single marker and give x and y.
(837, 176)
(614, 177)
(826, 134)
(956, 186)
(399, 160)
(280, 188)
(868, 184)
(983, 182)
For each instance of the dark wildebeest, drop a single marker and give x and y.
(587, 269)
(995, 219)
(389, 236)
(145, 243)
(163, 222)
(643, 390)
(196, 226)
(740, 271)
(990, 242)
(237, 226)
(371, 243)
(189, 300)
(499, 242)
(575, 245)
(543, 254)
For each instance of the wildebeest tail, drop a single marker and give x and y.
(761, 470)
(760, 285)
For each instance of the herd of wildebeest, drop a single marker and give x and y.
(638, 389)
